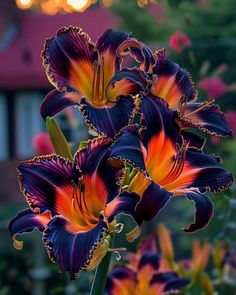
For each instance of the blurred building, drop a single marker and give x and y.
(23, 83)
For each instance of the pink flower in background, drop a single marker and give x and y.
(214, 86)
(178, 41)
(42, 144)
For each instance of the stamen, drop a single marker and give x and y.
(79, 204)
(96, 98)
(103, 80)
(200, 108)
(177, 167)
(183, 103)
(117, 252)
(95, 66)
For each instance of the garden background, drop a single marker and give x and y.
(200, 35)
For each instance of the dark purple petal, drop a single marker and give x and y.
(208, 174)
(158, 118)
(207, 118)
(150, 259)
(92, 161)
(139, 51)
(41, 178)
(26, 221)
(125, 203)
(127, 148)
(152, 202)
(108, 43)
(56, 101)
(127, 81)
(172, 83)
(193, 141)
(68, 59)
(170, 280)
(110, 119)
(119, 275)
(204, 211)
(72, 251)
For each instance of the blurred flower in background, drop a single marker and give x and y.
(42, 144)
(145, 272)
(178, 41)
(213, 86)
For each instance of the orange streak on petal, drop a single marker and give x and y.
(124, 287)
(81, 77)
(160, 157)
(185, 179)
(167, 88)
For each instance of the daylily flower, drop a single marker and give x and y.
(42, 144)
(179, 41)
(73, 204)
(80, 71)
(167, 167)
(143, 275)
(166, 80)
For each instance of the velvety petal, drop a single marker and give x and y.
(207, 118)
(204, 211)
(99, 176)
(127, 81)
(109, 119)
(47, 183)
(68, 59)
(121, 281)
(162, 141)
(72, 250)
(139, 51)
(107, 45)
(193, 141)
(167, 283)
(127, 148)
(26, 221)
(158, 119)
(204, 172)
(152, 202)
(56, 101)
(125, 203)
(171, 83)
(149, 259)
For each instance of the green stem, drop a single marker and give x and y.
(100, 277)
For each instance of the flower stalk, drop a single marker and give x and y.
(100, 276)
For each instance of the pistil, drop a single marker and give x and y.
(200, 108)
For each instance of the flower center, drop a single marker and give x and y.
(81, 211)
(98, 84)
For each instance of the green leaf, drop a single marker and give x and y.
(58, 139)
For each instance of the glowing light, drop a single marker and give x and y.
(79, 5)
(107, 3)
(24, 4)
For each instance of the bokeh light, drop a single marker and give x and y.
(24, 4)
(80, 5)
